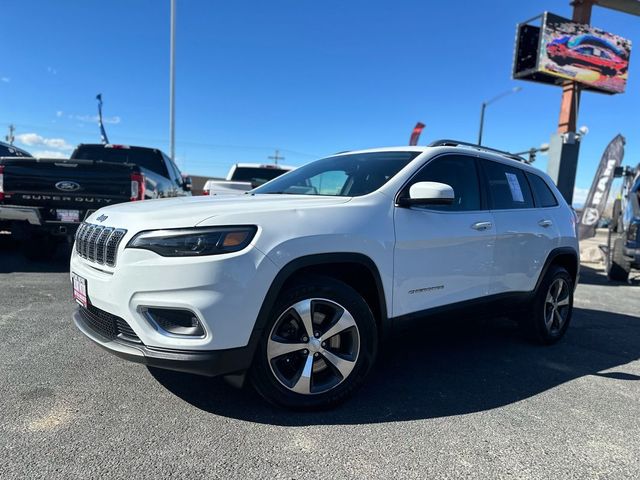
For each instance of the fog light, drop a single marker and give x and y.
(174, 321)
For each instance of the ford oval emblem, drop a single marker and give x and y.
(67, 186)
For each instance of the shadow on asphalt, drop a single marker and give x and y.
(444, 370)
(593, 276)
(12, 259)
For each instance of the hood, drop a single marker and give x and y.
(183, 212)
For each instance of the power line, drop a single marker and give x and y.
(58, 130)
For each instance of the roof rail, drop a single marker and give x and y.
(456, 143)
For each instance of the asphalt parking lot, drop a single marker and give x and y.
(459, 400)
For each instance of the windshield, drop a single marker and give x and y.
(344, 175)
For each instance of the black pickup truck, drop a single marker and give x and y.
(42, 201)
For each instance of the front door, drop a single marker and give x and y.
(443, 253)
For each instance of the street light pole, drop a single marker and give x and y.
(484, 106)
(172, 83)
(488, 102)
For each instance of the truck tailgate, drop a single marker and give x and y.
(65, 183)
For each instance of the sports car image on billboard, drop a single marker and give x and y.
(584, 54)
(589, 52)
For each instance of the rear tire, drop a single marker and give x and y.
(618, 266)
(319, 344)
(550, 312)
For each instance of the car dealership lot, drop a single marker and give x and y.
(457, 400)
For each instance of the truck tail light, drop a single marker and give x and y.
(137, 186)
(206, 192)
(1, 182)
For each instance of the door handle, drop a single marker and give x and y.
(482, 226)
(545, 223)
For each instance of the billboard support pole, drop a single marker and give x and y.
(565, 144)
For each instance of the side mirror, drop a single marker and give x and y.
(186, 183)
(429, 193)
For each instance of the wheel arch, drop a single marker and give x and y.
(565, 257)
(355, 269)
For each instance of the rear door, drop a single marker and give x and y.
(525, 235)
(443, 253)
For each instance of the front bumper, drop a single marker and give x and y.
(225, 292)
(208, 363)
(633, 254)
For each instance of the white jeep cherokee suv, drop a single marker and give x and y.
(295, 283)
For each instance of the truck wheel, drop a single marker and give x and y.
(319, 344)
(618, 266)
(39, 247)
(550, 314)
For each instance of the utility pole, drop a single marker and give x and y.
(565, 143)
(172, 83)
(276, 157)
(10, 137)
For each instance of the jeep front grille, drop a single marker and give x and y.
(99, 244)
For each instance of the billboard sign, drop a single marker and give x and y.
(583, 53)
(561, 49)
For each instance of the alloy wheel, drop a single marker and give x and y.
(557, 305)
(313, 346)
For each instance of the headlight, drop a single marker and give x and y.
(194, 242)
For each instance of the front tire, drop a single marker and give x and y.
(552, 307)
(318, 346)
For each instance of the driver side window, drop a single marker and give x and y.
(329, 183)
(458, 171)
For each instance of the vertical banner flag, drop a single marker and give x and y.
(415, 135)
(599, 191)
(103, 134)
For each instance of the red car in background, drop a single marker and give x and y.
(589, 52)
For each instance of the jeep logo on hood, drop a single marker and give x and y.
(67, 186)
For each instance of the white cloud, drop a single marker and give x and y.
(94, 119)
(59, 113)
(580, 196)
(35, 140)
(49, 154)
(5, 79)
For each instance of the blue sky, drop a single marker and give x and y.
(310, 78)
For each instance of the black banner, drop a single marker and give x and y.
(599, 191)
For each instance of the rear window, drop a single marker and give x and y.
(11, 151)
(542, 194)
(145, 158)
(508, 186)
(257, 176)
